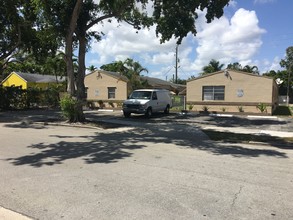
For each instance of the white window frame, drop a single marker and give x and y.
(111, 94)
(213, 93)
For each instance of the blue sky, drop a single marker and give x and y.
(251, 32)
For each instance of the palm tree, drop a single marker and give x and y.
(247, 68)
(234, 66)
(55, 65)
(129, 68)
(213, 66)
(250, 69)
(92, 68)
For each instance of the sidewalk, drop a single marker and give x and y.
(239, 130)
(6, 214)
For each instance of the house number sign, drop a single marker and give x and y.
(240, 92)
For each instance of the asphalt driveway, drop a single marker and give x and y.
(140, 171)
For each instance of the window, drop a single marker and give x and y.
(154, 97)
(111, 92)
(213, 93)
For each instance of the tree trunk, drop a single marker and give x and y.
(81, 99)
(68, 47)
(69, 66)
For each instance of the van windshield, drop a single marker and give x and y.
(141, 95)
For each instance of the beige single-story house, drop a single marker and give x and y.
(106, 87)
(232, 91)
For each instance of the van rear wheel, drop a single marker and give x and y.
(167, 109)
(149, 113)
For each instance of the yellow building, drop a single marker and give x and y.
(28, 80)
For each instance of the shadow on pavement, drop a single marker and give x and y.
(110, 147)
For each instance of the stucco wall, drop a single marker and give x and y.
(97, 86)
(254, 90)
(15, 80)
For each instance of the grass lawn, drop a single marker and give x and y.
(246, 138)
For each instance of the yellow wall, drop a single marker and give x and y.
(15, 80)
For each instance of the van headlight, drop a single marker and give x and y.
(144, 106)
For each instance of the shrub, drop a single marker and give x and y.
(205, 108)
(119, 104)
(68, 108)
(262, 107)
(240, 109)
(111, 104)
(223, 109)
(101, 103)
(190, 107)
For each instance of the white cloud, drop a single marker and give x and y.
(275, 65)
(122, 40)
(234, 40)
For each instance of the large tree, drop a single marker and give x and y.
(172, 18)
(287, 63)
(21, 33)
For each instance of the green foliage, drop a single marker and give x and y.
(17, 98)
(247, 68)
(262, 107)
(68, 108)
(111, 104)
(223, 109)
(288, 61)
(213, 66)
(190, 107)
(205, 108)
(240, 108)
(129, 68)
(179, 81)
(101, 103)
(21, 32)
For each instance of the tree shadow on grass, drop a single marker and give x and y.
(111, 147)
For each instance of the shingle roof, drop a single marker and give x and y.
(38, 78)
(159, 83)
(229, 70)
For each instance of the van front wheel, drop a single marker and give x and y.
(126, 114)
(148, 113)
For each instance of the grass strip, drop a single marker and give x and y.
(246, 138)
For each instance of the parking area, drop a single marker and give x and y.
(146, 169)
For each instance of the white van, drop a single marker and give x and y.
(147, 101)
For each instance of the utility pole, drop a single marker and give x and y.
(289, 84)
(176, 64)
